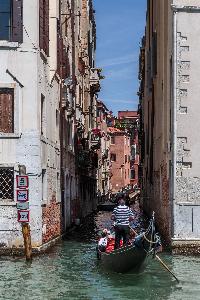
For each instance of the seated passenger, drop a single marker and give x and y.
(102, 243)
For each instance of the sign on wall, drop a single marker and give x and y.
(23, 216)
(22, 181)
(22, 195)
(22, 205)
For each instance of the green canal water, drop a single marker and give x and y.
(70, 271)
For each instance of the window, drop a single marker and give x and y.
(6, 110)
(133, 174)
(113, 157)
(133, 152)
(44, 186)
(43, 117)
(5, 20)
(57, 118)
(11, 23)
(58, 186)
(125, 158)
(44, 25)
(6, 183)
(154, 54)
(112, 139)
(57, 124)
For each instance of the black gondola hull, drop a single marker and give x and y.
(123, 259)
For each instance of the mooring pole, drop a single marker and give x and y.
(27, 241)
(26, 231)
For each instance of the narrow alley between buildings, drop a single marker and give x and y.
(99, 149)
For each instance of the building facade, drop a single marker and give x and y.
(48, 93)
(169, 106)
(79, 92)
(129, 120)
(29, 114)
(120, 159)
(104, 165)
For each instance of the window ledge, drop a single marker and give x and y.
(7, 203)
(10, 135)
(7, 44)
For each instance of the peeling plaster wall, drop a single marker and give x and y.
(31, 77)
(187, 181)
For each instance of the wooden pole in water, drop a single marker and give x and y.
(27, 241)
(26, 231)
(166, 267)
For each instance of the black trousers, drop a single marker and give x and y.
(121, 231)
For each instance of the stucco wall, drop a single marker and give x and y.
(187, 184)
(29, 75)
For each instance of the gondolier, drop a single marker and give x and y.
(134, 255)
(122, 215)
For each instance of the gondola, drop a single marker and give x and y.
(132, 256)
(106, 206)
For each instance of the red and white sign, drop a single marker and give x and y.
(23, 216)
(22, 195)
(22, 181)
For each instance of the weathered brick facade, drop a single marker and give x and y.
(51, 219)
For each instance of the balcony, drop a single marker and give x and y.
(87, 160)
(105, 154)
(95, 80)
(95, 138)
(83, 159)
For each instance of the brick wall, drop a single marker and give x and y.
(51, 221)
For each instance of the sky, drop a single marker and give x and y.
(120, 27)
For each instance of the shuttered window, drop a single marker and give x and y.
(6, 110)
(11, 20)
(17, 21)
(44, 25)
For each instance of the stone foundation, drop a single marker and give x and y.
(186, 247)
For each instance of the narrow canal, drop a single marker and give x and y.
(70, 271)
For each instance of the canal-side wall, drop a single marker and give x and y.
(169, 101)
(186, 20)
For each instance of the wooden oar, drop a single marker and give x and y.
(166, 267)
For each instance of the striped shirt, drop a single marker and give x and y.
(122, 213)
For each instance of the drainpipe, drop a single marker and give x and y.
(174, 124)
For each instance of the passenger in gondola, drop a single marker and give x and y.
(103, 241)
(122, 216)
